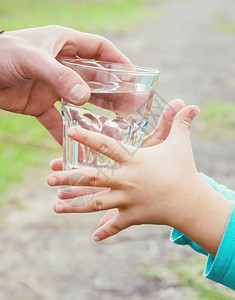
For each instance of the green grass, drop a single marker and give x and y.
(190, 271)
(23, 142)
(89, 15)
(217, 120)
(222, 23)
(224, 27)
(188, 274)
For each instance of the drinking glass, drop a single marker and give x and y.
(119, 107)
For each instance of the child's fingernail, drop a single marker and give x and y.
(96, 238)
(194, 112)
(72, 132)
(78, 92)
(52, 180)
(59, 207)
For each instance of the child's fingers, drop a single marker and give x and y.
(113, 149)
(95, 177)
(164, 124)
(108, 216)
(90, 203)
(112, 227)
(182, 123)
(73, 192)
(56, 164)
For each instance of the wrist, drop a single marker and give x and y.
(183, 200)
(202, 215)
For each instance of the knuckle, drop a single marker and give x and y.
(107, 42)
(103, 44)
(62, 74)
(105, 148)
(106, 233)
(96, 205)
(186, 122)
(115, 228)
(92, 180)
(102, 39)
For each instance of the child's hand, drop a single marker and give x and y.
(157, 185)
(156, 137)
(146, 188)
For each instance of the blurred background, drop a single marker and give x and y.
(48, 256)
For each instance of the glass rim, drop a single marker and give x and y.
(138, 70)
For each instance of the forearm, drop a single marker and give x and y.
(202, 214)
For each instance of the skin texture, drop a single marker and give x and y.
(32, 78)
(172, 193)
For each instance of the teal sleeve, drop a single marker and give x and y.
(221, 268)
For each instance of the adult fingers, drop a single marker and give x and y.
(112, 227)
(40, 103)
(65, 81)
(164, 124)
(67, 42)
(113, 149)
(91, 202)
(52, 121)
(91, 46)
(97, 47)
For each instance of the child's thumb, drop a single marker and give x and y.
(182, 122)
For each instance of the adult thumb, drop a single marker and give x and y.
(66, 82)
(182, 122)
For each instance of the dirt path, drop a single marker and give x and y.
(46, 256)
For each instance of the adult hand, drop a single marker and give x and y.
(32, 79)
